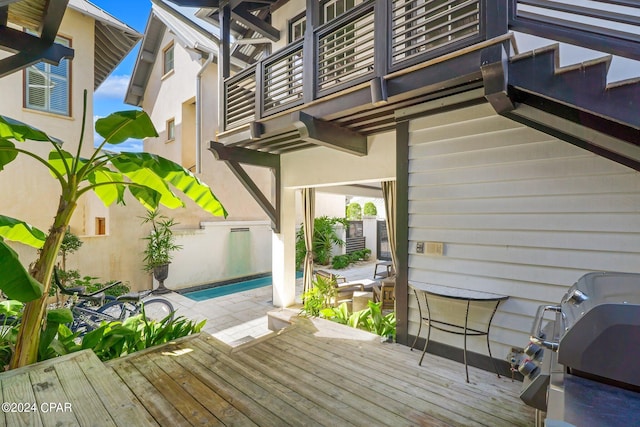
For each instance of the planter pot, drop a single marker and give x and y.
(161, 273)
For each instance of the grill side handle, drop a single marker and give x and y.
(537, 336)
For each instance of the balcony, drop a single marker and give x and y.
(346, 74)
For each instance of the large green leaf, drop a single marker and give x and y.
(150, 169)
(7, 152)
(147, 197)
(108, 193)
(14, 129)
(20, 231)
(141, 172)
(58, 163)
(15, 281)
(122, 125)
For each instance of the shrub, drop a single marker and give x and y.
(318, 297)
(354, 211)
(370, 319)
(340, 261)
(370, 209)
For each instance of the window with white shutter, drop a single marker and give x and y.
(48, 86)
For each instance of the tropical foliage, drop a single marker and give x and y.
(147, 177)
(109, 341)
(325, 237)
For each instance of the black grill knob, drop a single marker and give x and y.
(528, 368)
(533, 350)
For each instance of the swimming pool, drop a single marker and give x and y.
(231, 288)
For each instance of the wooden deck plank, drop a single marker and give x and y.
(189, 382)
(314, 389)
(145, 391)
(247, 396)
(17, 389)
(500, 396)
(394, 373)
(84, 400)
(114, 394)
(400, 386)
(51, 397)
(400, 401)
(297, 409)
(174, 395)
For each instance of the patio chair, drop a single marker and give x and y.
(343, 290)
(386, 294)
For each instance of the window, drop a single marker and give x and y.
(331, 9)
(297, 26)
(101, 226)
(47, 87)
(171, 129)
(167, 55)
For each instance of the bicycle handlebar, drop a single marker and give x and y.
(80, 290)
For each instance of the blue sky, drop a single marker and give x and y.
(110, 95)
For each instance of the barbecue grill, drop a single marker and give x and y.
(582, 365)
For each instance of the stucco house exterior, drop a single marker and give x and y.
(175, 82)
(50, 97)
(525, 170)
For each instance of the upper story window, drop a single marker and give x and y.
(331, 9)
(171, 130)
(48, 87)
(297, 27)
(167, 56)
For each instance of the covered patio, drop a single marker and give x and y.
(310, 373)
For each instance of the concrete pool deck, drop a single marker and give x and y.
(242, 316)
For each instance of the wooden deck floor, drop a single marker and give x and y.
(311, 374)
(314, 374)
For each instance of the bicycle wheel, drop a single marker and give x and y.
(118, 310)
(157, 309)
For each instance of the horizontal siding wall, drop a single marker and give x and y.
(519, 212)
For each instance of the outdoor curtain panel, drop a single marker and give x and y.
(389, 195)
(309, 209)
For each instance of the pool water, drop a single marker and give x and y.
(232, 288)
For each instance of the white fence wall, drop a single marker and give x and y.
(520, 213)
(220, 250)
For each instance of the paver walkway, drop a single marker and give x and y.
(242, 316)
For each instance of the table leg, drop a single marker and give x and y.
(495, 368)
(466, 322)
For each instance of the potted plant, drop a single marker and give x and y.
(160, 245)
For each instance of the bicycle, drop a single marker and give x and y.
(90, 310)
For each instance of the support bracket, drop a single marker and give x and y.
(234, 157)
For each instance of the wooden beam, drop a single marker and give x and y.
(329, 135)
(4, 15)
(52, 55)
(52, 18)
(225, 41)
(234, 156)
(242, 15)
(495, 78)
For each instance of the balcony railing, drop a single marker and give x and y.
(373, 39)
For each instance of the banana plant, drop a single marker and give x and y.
(148, 178)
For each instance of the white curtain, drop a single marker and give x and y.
(389, 195)
(309, 209)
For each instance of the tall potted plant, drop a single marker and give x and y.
(160, 244)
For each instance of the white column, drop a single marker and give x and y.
(284, 252)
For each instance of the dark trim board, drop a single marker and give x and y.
(402, 231)
(477, 360)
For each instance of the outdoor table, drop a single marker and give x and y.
(426, 290)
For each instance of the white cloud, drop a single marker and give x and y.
(113, 87)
